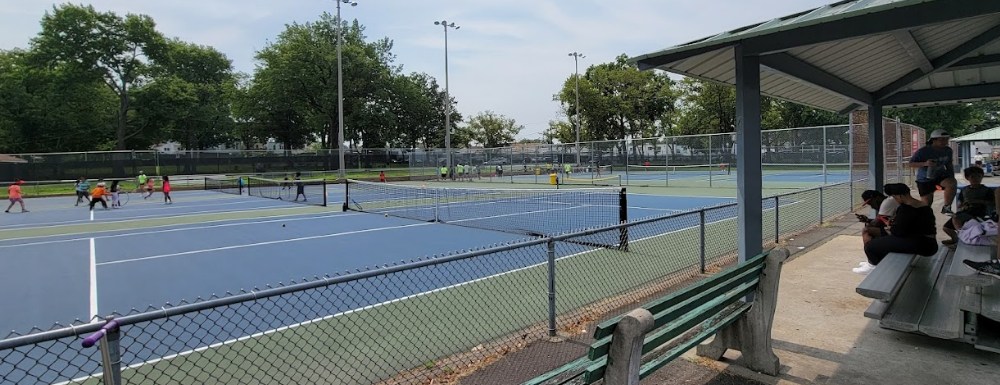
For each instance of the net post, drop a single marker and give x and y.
(347, 193)
(623, 218)
(205, 186)
(551, 244)
(324, 193)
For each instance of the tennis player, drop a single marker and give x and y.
(98, 195)
(300, 189)
(14, 194)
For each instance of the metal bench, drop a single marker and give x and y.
(937, 296)
(628, 348)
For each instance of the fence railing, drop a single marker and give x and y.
(411, 322)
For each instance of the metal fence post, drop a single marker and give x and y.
(111, 359)
(552, 287)
(825, 171)
(701, 227)
(821, 205)
(777, 228)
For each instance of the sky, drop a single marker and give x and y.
(509, 56)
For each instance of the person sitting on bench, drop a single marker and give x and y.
(974, 202)
(875, 227)
(911, 230)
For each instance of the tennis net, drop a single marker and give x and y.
(532, 212)
(229, 185)
(304, 191)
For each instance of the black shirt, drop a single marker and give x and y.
(913, 221)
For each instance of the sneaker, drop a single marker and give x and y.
(949, 242)
(991, 268)
(946, 210)
(864, 269)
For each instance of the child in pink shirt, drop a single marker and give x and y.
(166, 190)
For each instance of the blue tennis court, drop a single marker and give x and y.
(60, 264)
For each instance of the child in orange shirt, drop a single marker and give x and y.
(98, 196)
(14, 194)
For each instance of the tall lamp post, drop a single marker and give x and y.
(447, 97)
(340, 91)
(576, 62)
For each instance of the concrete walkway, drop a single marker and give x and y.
(820, 333)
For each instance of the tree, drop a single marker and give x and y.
(192, 81)
(619, 101)
(493, 130)
(51, 108)
(104, 46)
(561, 131)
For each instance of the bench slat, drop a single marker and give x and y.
(756, 263)
(596, 371)
(884, 282)
(964, 275)
(877, 309)
(942, 318)
(713, 327)
(717, 297)
(571, 371)
(906, 309)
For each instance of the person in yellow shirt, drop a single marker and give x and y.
(98, 195)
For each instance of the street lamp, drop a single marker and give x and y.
(576, 61)
(340, 91)
(447, 97)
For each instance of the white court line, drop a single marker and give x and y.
(142, 218)
(91, 215)
(74, 222)
(281, 219)
(262, 243)
(93, 280)
(324, 318)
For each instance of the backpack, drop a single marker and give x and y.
(976, 232)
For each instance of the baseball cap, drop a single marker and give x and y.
(939, 133)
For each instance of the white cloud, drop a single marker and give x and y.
(510, 56)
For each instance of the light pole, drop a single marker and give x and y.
(576, 62)
(340, 91)
(447, 97)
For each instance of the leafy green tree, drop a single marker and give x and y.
(561, 131)
(101, 45)
(619, 101)
(493, 130)
(45, 109)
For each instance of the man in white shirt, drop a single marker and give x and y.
(978, 158)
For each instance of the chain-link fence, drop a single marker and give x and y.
(415, 321)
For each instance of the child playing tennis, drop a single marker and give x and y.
(149, 188)
(98, 195)
(14, 194)
(166, 191)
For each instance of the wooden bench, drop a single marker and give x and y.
(630, 347)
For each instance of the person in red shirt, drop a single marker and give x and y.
(14, 194)
(166, 191)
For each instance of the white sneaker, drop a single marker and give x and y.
(864, 269)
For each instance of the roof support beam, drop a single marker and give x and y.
(941, 63)
(905, 39)
(902, 18)
(793, 66)
(963, 93)
(974, 62)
